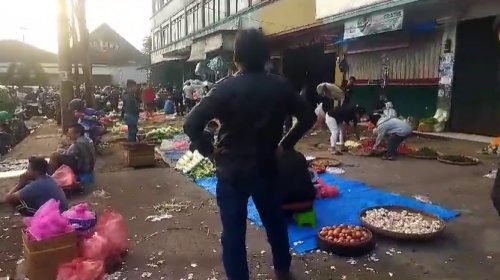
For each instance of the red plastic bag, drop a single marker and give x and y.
(95, 247)
(81, 269)
(111, 226)
(64, 177)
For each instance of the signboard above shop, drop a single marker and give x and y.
(374, 24)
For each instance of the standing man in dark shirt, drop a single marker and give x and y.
(251, 107)
(348, 90)
(131, 110)
(178, 101)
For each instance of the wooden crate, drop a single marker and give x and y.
(139, 154)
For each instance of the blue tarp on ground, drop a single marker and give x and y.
(354, 196)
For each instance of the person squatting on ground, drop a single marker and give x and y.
(130, 110)
(35, 188)
(80, 156)
(251, 107)
(394, 129)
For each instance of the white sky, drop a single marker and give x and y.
(37, 20)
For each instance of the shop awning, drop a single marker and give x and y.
(197, 51)
(221, 41)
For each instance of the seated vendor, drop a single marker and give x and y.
(80, 156)
(295, 186)
(35, 188)
(395, 130)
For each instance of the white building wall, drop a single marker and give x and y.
(120, 75)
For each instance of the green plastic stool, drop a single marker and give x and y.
(307, 218)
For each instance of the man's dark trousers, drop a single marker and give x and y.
(232, 200)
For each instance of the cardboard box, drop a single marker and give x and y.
(44, 257)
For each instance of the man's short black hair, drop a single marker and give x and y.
(352, 78)
(359, 110)
(374, 118)
(131, 83)
(39, 164)
(79, 129)
(251, 51)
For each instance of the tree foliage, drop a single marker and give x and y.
(25, 74)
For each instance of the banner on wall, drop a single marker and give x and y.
(374, 24)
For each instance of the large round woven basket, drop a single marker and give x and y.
(347, 249)
(398, 235)
(474, 161)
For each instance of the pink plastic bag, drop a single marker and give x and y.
(81, 269)
(79, 212)
(111, 226)
(47, 222)
(64, 177)
(95, 247)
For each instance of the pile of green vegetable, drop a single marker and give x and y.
(425, 152)
(158, 134)
(204, 169)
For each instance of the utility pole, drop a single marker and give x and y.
(66, 89)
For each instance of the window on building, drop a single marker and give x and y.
(209, 12)
(242, 4)
(233, 7)
(198, 15)
(221, 9)
(178, 28)
(190, 21)
(166, 35)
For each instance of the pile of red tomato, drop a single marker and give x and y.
(345, 234)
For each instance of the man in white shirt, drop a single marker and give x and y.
(188, 96)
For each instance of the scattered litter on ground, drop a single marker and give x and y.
(172, 206)
(491, 175)
(100, 193)
(391, 274)
(352, 261)
(115, 276)
(157, 218)
(373, 258)
(422, 198)
(146, 274)
(335, 170)
(194, 265)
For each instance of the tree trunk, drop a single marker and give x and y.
(75, 53)
(84, 52)
(65, 64)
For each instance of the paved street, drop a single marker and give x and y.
(189, 241)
